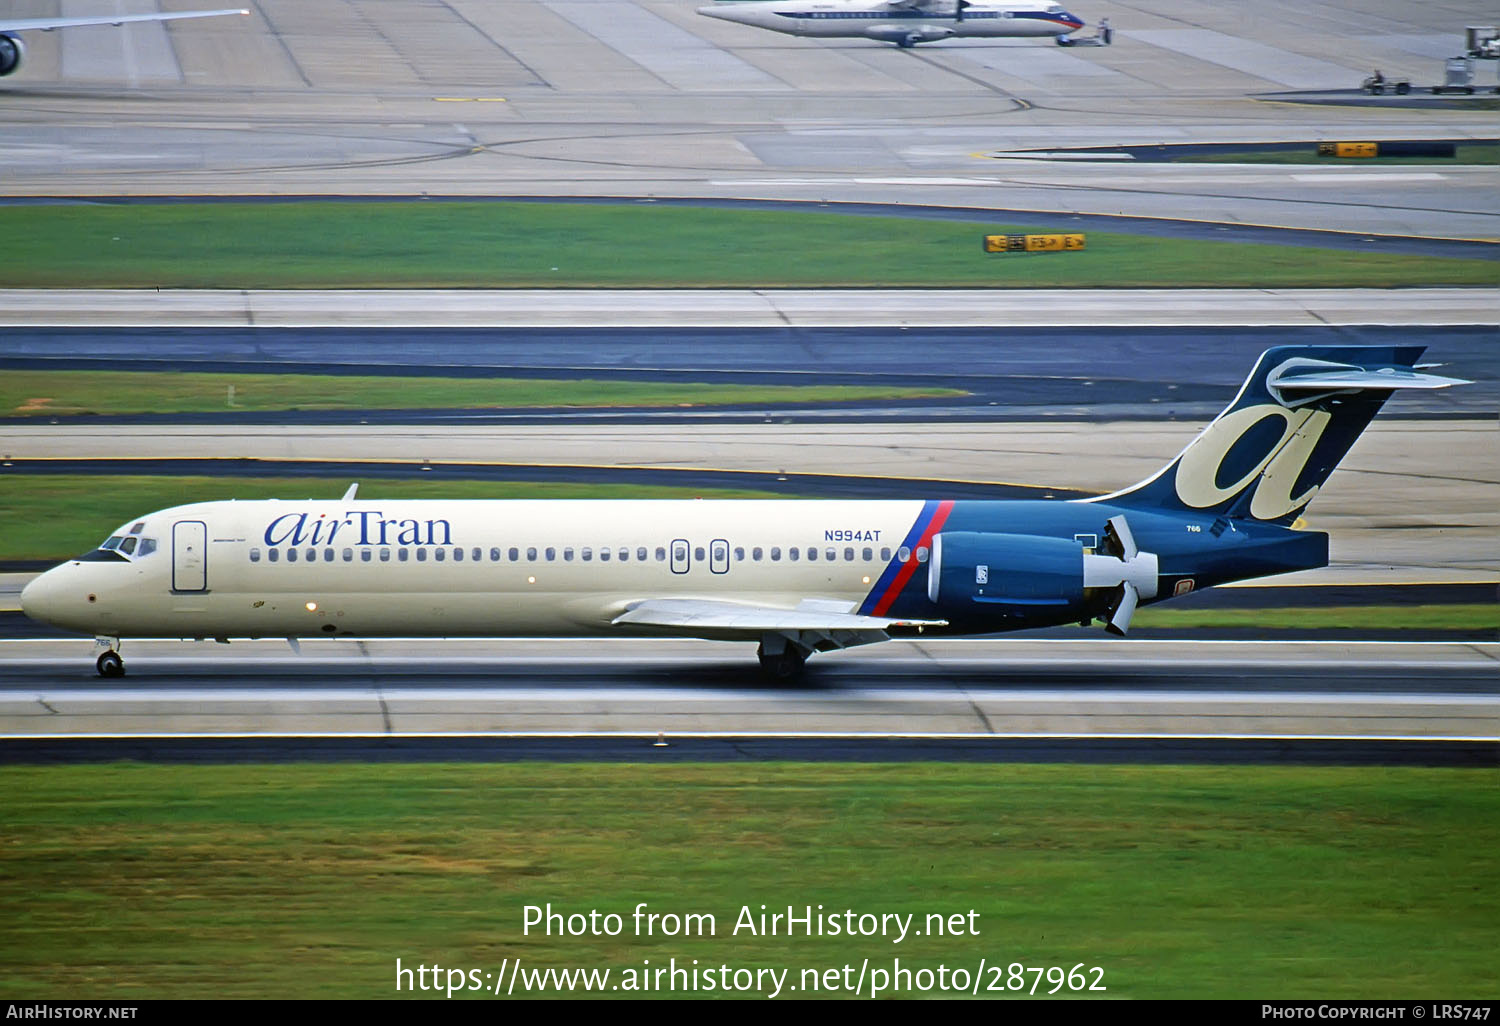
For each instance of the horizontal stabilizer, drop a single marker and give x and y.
(1300, 376)
(708, 614)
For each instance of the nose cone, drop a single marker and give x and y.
(39, 598)
(727, 12)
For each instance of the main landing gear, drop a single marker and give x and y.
(109, 663)
(780, 659)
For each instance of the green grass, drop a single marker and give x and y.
(55, 517)
(251, 881)
(43, 393)
(495, 244)
(1458, 616)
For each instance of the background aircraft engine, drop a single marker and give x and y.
(979, 573)
(11, 54)
(903, 35)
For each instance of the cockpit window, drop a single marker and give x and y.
(113, 543)
(128, 545)
(102, 556)
(148, 546)
(138, 528)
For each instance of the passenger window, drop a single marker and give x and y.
(312, 555)
(255, 555)
(495, 555)
(568, 555)
(698, 553)
(422, 555)
(328, 555)
(291, 555)
(478, 554)
(271, 554)
(867, 554)
(640, 554)
(531, 555)
(604, 555)
(437, 554)
(791, 553)
(921, 553)
(348, 555)
(458, 555)
(587, 554)
(812, 554)
(756, 553)
(739, 554)
(402, 555)
(128, 545)
(364, 555)
(385, 555)
(551, 554)
(775, 554)
(515, 555)
(885, 554)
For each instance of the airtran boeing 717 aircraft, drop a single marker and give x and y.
(903, 22)
(796, 577)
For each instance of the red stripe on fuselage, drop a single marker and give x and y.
(939, 518)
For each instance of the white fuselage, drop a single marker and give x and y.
(896, 23)
(464, 568)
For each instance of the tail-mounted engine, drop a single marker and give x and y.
(1048, 580)
(12, 52)
(1128, 573)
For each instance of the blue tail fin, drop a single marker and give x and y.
(1298, 413)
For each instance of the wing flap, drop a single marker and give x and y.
(717, 615)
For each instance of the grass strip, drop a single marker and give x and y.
(497, 244)
(37, 393)
(170, 881)
(1458, 616)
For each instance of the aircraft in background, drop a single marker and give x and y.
(12, 51)
(796, 577)
(903, 22)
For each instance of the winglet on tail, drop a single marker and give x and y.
(1297, 415)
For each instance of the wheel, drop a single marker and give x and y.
(784, 665)
(1402, 89)
(1377, 90)
(110, 664)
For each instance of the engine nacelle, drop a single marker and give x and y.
(980, 573)
(908, 35)
(12, 52)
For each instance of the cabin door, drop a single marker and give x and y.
(190, 556)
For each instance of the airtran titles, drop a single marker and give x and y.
(356, 527)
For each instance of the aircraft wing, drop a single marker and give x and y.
(48, 24)
(696, 617)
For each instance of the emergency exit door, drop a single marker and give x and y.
(190, 556)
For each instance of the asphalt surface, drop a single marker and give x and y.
(1006, 700)
(1087, 373)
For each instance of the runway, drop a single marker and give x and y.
(646, 98)
(581, 695)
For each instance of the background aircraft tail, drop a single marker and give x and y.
(1298, 413)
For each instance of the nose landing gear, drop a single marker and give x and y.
(109, 663)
